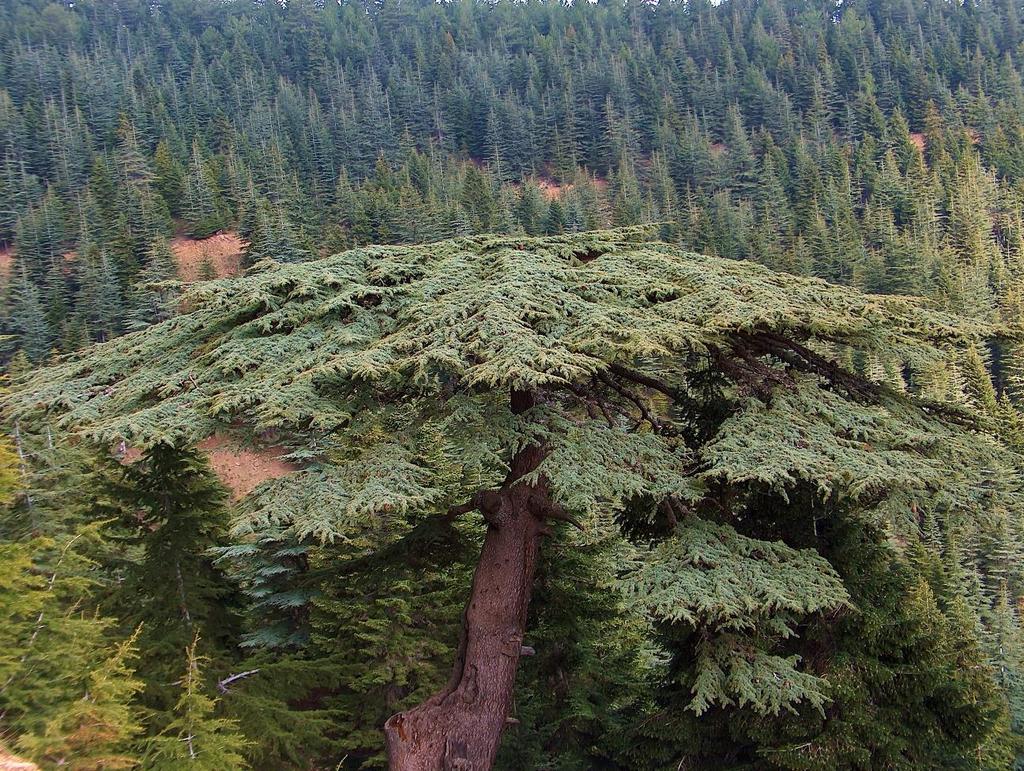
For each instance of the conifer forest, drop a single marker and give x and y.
(512, 384)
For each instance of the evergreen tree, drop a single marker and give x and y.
(100, 299)
(98, 729)
(66, 691)
(203, 208)
(195, 738)
(898, 668)
(587, 377)
(173, 508)
(530, 209)
(169, 177)
(875, 144)
(156, 293)
(589, 675)
(29, 319)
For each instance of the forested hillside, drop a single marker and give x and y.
(756, 520)
(873, 144)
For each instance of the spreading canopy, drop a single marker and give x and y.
(666, 382)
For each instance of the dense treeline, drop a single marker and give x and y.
(874, 144)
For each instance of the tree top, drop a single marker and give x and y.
(307, 346)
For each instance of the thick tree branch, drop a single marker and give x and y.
(645, 380)
(803, 358)
(559, 514)
(455, 512)
(645, 412)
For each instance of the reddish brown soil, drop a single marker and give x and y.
(239, 468)
(6, 266)
(223, 251)
(552, 189)
(919, 140)
(242, 468)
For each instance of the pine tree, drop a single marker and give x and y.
(203, 206)
(100, 299)
(530, 208)
(29, 319)
(99, 729)
(1006, 650)
(386, 635)
(555, 222)
(66, 692)
(477, 200)
(626, 204)
(897, 667)
(589, 675)
(169, 177)
(156, 293)
(41, 235)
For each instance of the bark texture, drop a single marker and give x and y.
(460, 727)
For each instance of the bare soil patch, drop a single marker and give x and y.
(240, 469)
(551, 189)
(6, 268)
(223, 251)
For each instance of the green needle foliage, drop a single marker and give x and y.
(66, 690)
(697, 412)
(195, 738)
(172, 509)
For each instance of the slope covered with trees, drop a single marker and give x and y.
(707, 513)
(871, 143)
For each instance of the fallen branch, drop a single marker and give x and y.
(222, 685)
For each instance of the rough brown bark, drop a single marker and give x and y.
(460, 727)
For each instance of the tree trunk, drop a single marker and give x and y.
(460, 727)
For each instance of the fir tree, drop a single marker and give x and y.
(156, 293)
(66, 692)
(99, 729)
(173, 508)
(169, 177)
(203, 208)
(29, 319)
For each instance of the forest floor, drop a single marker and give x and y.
(553, 190)
(243, 468)
(240, 469)
(223, 251)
